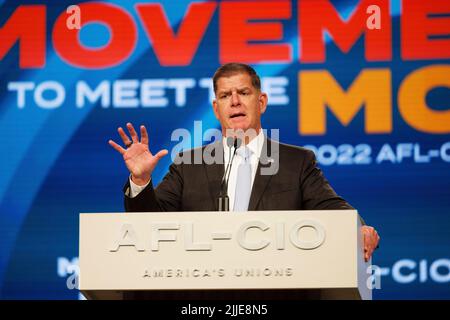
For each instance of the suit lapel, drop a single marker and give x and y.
(214, 171)
(261, 181)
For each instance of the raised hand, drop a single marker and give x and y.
(138, 158)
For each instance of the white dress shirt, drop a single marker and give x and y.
(255, 145)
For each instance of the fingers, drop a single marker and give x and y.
(371, 239)
(366, 246)
(117, 147)
(123, 135)
(368, 254)
(133, 133)
(144, 135)
(134, 139)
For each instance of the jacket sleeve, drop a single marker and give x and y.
(167, 196)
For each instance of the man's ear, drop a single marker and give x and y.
(215, 108)
(263, 100)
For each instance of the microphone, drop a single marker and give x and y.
(223, 200)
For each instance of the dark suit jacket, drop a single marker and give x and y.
(298, 185)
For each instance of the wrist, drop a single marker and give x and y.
(140, 181)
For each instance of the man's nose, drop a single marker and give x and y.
(235, 101)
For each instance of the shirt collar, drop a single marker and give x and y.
(255, 145)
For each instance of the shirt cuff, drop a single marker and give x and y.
(135, 189)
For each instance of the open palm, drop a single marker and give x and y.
(137, 155)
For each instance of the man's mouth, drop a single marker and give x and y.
(237, 115)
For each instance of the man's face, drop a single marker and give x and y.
(239, 105)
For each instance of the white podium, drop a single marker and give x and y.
(196, 255)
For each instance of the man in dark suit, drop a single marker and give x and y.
(267, 175)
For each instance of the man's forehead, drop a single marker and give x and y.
(237, 80)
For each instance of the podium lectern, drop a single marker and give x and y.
(223, 255)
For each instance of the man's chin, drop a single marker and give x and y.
(238, 130)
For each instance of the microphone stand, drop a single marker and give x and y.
(224, 201)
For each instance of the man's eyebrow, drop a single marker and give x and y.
(229, 90)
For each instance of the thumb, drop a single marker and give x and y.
(161, 154)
